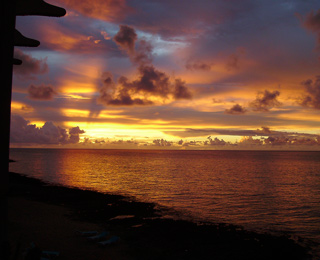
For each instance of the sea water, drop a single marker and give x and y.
(261, 190)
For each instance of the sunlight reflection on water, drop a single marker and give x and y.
(259, 190)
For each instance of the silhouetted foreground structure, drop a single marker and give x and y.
(143, 232)
(10, 38)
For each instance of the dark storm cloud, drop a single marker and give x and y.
(312, 23)
(181, 91)
(121, 96)
(150, 82)
(156, 83)
(41, 92)
(139, 52)
(265, 101)
(124, 99)
(29, 66)
(236, 110)
(312, 97)
(126, 38)
(24, 132)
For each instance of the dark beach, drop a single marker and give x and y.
(50, 216)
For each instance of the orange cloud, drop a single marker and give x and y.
(107, 10)
(20, 107)
(80, 78)
(60, 38)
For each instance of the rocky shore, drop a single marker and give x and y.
(50, 216)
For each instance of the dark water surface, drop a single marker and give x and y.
(262, 190)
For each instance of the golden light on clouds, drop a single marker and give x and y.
(74, 112)
(95, 71)
(19, 107)
(70, 86)
(111, 114)
(113, 130)
(81, 78)
(298, 116)
(61, 38)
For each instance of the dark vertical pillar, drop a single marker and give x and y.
(7, 27)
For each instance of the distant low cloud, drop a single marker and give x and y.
(236, 110)
(191, 132)
(74, 134)
(312, 96)
(24, 132)
(265, 101)
(292, 141)
(30, 66)
(264, 131)
(161, 142)
(215, 141)
(41, 92)
(250, 141)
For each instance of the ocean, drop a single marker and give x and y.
(273, 191)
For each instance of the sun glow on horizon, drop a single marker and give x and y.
(203, 80)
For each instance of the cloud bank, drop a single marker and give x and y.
(24, 132)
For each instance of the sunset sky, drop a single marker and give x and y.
(223, 74)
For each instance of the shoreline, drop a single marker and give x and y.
(143, 232)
